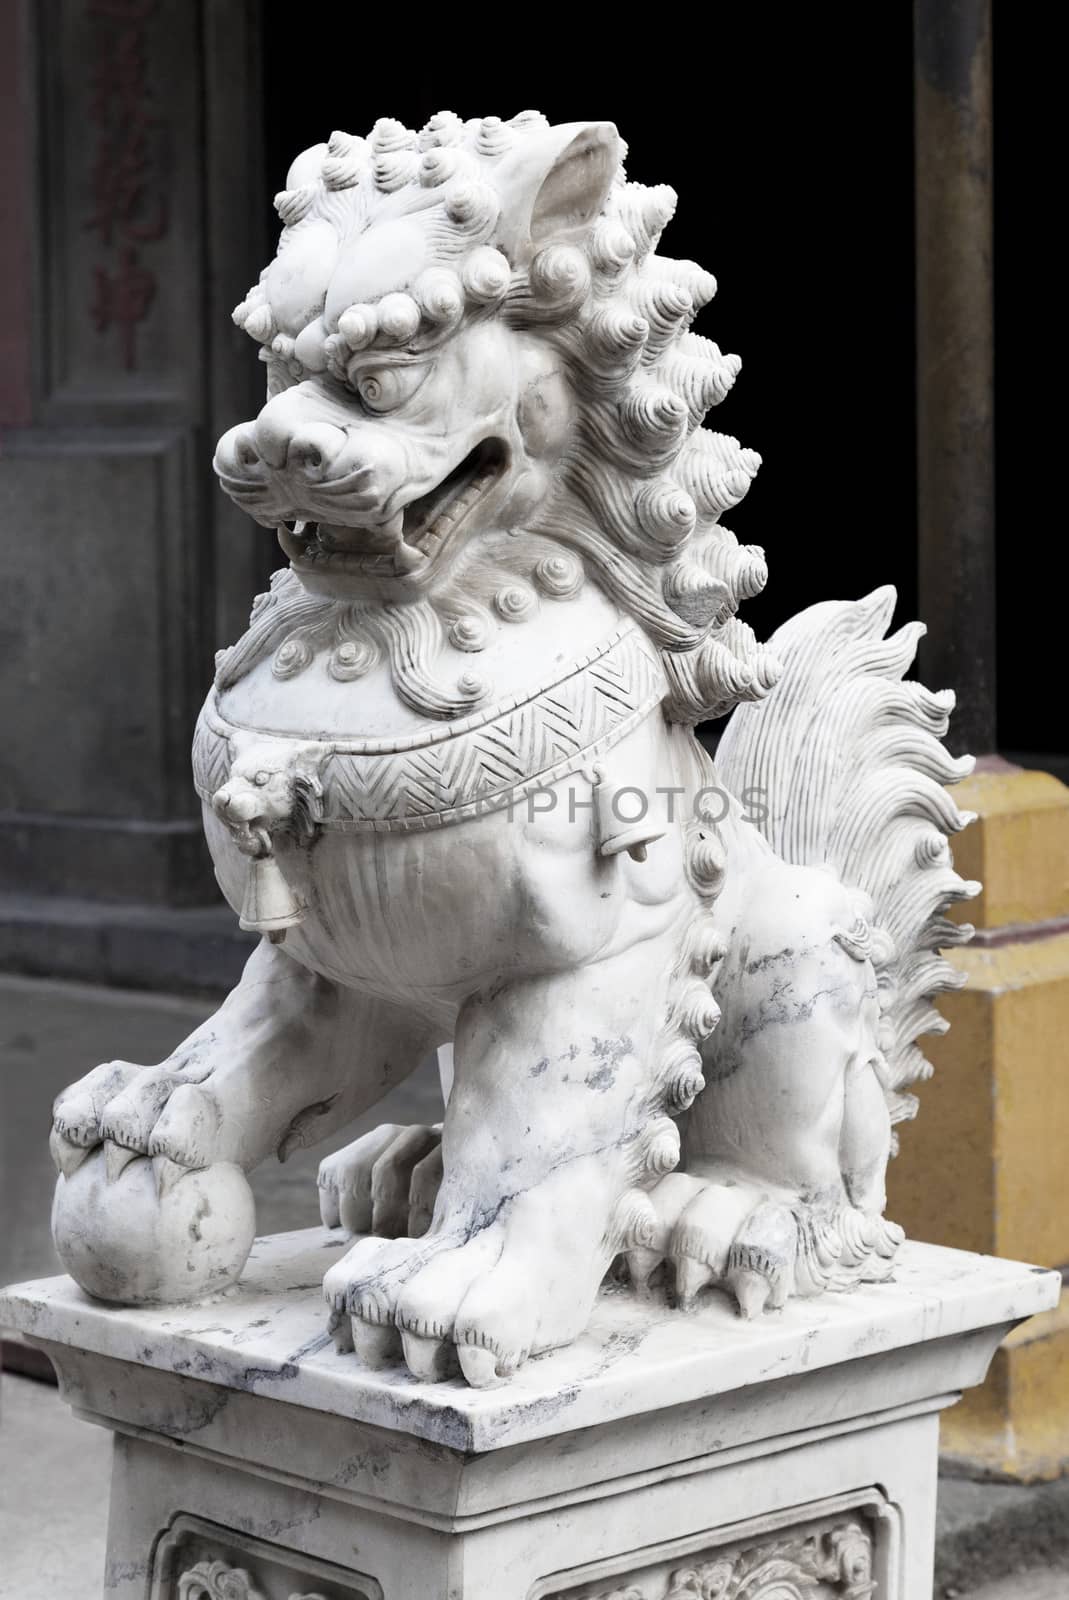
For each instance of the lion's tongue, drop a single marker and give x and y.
(386, 538)
(381, 539)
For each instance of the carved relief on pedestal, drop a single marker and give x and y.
(197, 1560)
(214, 1580)
(817, 1562)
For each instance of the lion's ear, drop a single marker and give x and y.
(556, 185)
(307, 803)
(308, 788)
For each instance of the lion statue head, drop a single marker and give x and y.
(482, 381)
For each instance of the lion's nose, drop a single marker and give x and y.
(236, 454)
(233, 802)
(309, 447)
(314, 449)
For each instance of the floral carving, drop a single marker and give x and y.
(831, 1565)
(215, 1580)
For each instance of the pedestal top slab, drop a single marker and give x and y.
(267, 1336)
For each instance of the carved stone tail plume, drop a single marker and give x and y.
(847, 755)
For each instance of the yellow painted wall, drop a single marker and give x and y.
(986, 1164)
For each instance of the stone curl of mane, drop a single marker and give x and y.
(645, 484)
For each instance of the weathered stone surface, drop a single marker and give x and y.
(265, 1337)
(510, 587)
(655, 1447)
(50, 1030)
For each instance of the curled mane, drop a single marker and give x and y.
(648, 483)
(645, 484)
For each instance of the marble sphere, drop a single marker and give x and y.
(122, 1240)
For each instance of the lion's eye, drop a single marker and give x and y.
(262, 779)
(385, 388)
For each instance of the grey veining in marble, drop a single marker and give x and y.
(266, 1336)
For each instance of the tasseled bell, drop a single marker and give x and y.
(270, 905)
(619, 828)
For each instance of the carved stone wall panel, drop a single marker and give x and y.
(103, 647)
(89, 601)
(140, 122)
(121, 226)
(16, 230)
(828, 1558)
(145, 125)
(196, 1560)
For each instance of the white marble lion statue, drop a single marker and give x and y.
(450, 775)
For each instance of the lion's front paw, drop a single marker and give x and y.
(480, 1302)
(149, 1206)
(385, 1183)
(168, 1113)
(445, 1306)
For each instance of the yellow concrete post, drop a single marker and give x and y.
(986, 1165)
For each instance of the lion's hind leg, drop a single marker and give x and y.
(713, 1230)
(791, 1136)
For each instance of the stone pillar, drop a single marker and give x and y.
(955, 360)
(131, 189)
(984, 1166)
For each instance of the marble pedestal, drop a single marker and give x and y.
(666, 1456)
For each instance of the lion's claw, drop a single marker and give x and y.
(384, 1183)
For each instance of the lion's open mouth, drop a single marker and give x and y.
(405, 543)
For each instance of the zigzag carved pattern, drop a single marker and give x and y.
(480, 763)
(496, 760)
(211, 757)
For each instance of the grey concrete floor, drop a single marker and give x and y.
(54, 1473)
(1026, 1586)
(993, 1536)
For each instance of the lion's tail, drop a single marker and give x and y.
(847, 761)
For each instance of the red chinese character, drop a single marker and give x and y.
(122, 299)
(128, 208)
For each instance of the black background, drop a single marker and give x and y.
(787, 131)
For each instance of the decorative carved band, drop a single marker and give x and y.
(481, 763)
(198, 1560)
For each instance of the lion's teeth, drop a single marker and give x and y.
(408, 558)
